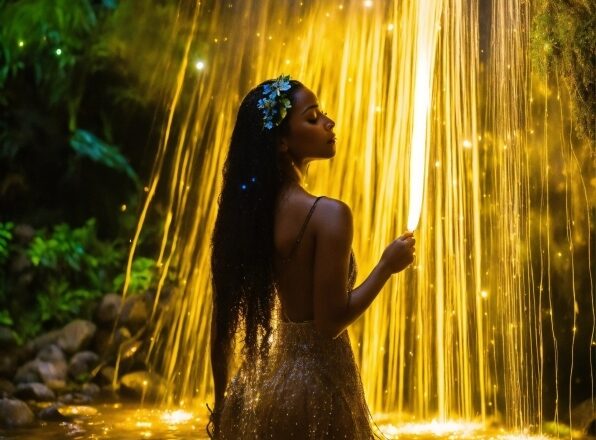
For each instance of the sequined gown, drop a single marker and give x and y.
(308, 388)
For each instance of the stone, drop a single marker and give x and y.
(106, 375)
(583, 418)
(51, 353)
(15, 413)
(52, 414)
(7, 338)
(56, 384)
(34, 391)
(108, 309)
(8, 364)
(135, 313)
(142, 384)
(27, 373)
(107, 343)
(76, 335)
(43, 340)
(7, 388)
(75, 399)
(82, 363)
(52, 371)
(23, 233)
(91, 389)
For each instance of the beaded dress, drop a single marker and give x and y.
(308, 388)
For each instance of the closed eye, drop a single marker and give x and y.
(316, 118)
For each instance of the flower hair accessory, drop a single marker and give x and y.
(275, 103)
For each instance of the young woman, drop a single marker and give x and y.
(278, 250)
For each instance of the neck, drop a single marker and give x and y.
(293, 171)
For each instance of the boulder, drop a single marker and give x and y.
(51, 353)
(91, 389)
(108, 309)
(106, 376)
(52, 371)
(42, 341)
(34, 391)
(8, 364)
(135, 313)
(27, 373)
(52, 414)
(7, 338)
(583, 418)
(142, 384)
(75, 399)
(6, 388)
(15, 413)
(76, 335)
(82, 363)
(108, 342)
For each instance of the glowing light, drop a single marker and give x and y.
(425, 44)
(433, 428)
(58, 51)
(390, 27)
(199, 65)
(122, 207)
(484, 294)
(176, 417)
(21, 43)
(368, 4)
(467, 144)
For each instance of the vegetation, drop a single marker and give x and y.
(564, 42)
(76, 121)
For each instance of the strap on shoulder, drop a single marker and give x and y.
(303, 229)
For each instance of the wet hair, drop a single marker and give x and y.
(242, 240)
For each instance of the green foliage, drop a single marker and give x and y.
(141, 278)
(5, 318)
(563, 41)
(5, 238)
(89, 145)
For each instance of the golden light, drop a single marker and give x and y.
(368, 4)
(21, 43)
(436, 428)
(199, 65)
(425, 46)
(176, 417)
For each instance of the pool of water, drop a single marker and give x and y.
(127, 421)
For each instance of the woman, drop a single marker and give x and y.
(274, 243)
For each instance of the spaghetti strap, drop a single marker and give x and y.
(302, 230)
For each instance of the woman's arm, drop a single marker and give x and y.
(334, 309)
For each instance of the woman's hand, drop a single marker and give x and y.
(400, 253)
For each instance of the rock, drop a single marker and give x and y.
(55, 384)
(52, 371)
(76, 335)
(108, 309)
(107, 343)
(135, 313)
(51, 353)
(82, 363)
(7, 338)
(27, 373)
(583, 417)
(91, 389)
(75, 398)
(8, 364)
(52, 414)
(23, 233)
(106, 376)
(6, 388)
(15, 413)
(142, 384)
(34, 391)
(43, 340)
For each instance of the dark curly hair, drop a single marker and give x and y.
(242, 240)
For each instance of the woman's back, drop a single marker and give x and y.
(297, 216)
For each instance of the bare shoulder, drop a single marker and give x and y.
(334, 217)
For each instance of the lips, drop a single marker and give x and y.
(332, 140)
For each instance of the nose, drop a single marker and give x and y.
(330, 124)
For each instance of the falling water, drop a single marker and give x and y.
(461, 334)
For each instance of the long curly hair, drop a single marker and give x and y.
(242, 240)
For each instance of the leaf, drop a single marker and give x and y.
(89, 145)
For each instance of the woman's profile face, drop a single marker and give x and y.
(310, 132)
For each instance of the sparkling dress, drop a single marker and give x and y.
(308, 388)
